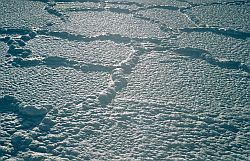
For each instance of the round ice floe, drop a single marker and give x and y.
(33, 110)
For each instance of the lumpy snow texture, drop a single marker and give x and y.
(124, 80)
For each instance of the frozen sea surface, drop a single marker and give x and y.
(124, 80)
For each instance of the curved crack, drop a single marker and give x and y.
(51, 10)
(56, 62)
(74, 37)
(13, 31)
(196, 53)
(193, 5)
(165, 7)
(118, 72)
(101, 1)
(219, 31)
(122, 10)
(116, 38)
(236, 2)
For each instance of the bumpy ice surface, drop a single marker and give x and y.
(124, 80)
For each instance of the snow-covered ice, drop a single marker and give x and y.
(124, 80)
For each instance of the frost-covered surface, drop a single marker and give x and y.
(101, 52)
(124, 80)
(222, 47)
(217, 15)
(24, 13)
(96, 23)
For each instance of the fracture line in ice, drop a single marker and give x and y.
(56, 62)
(205, 55)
